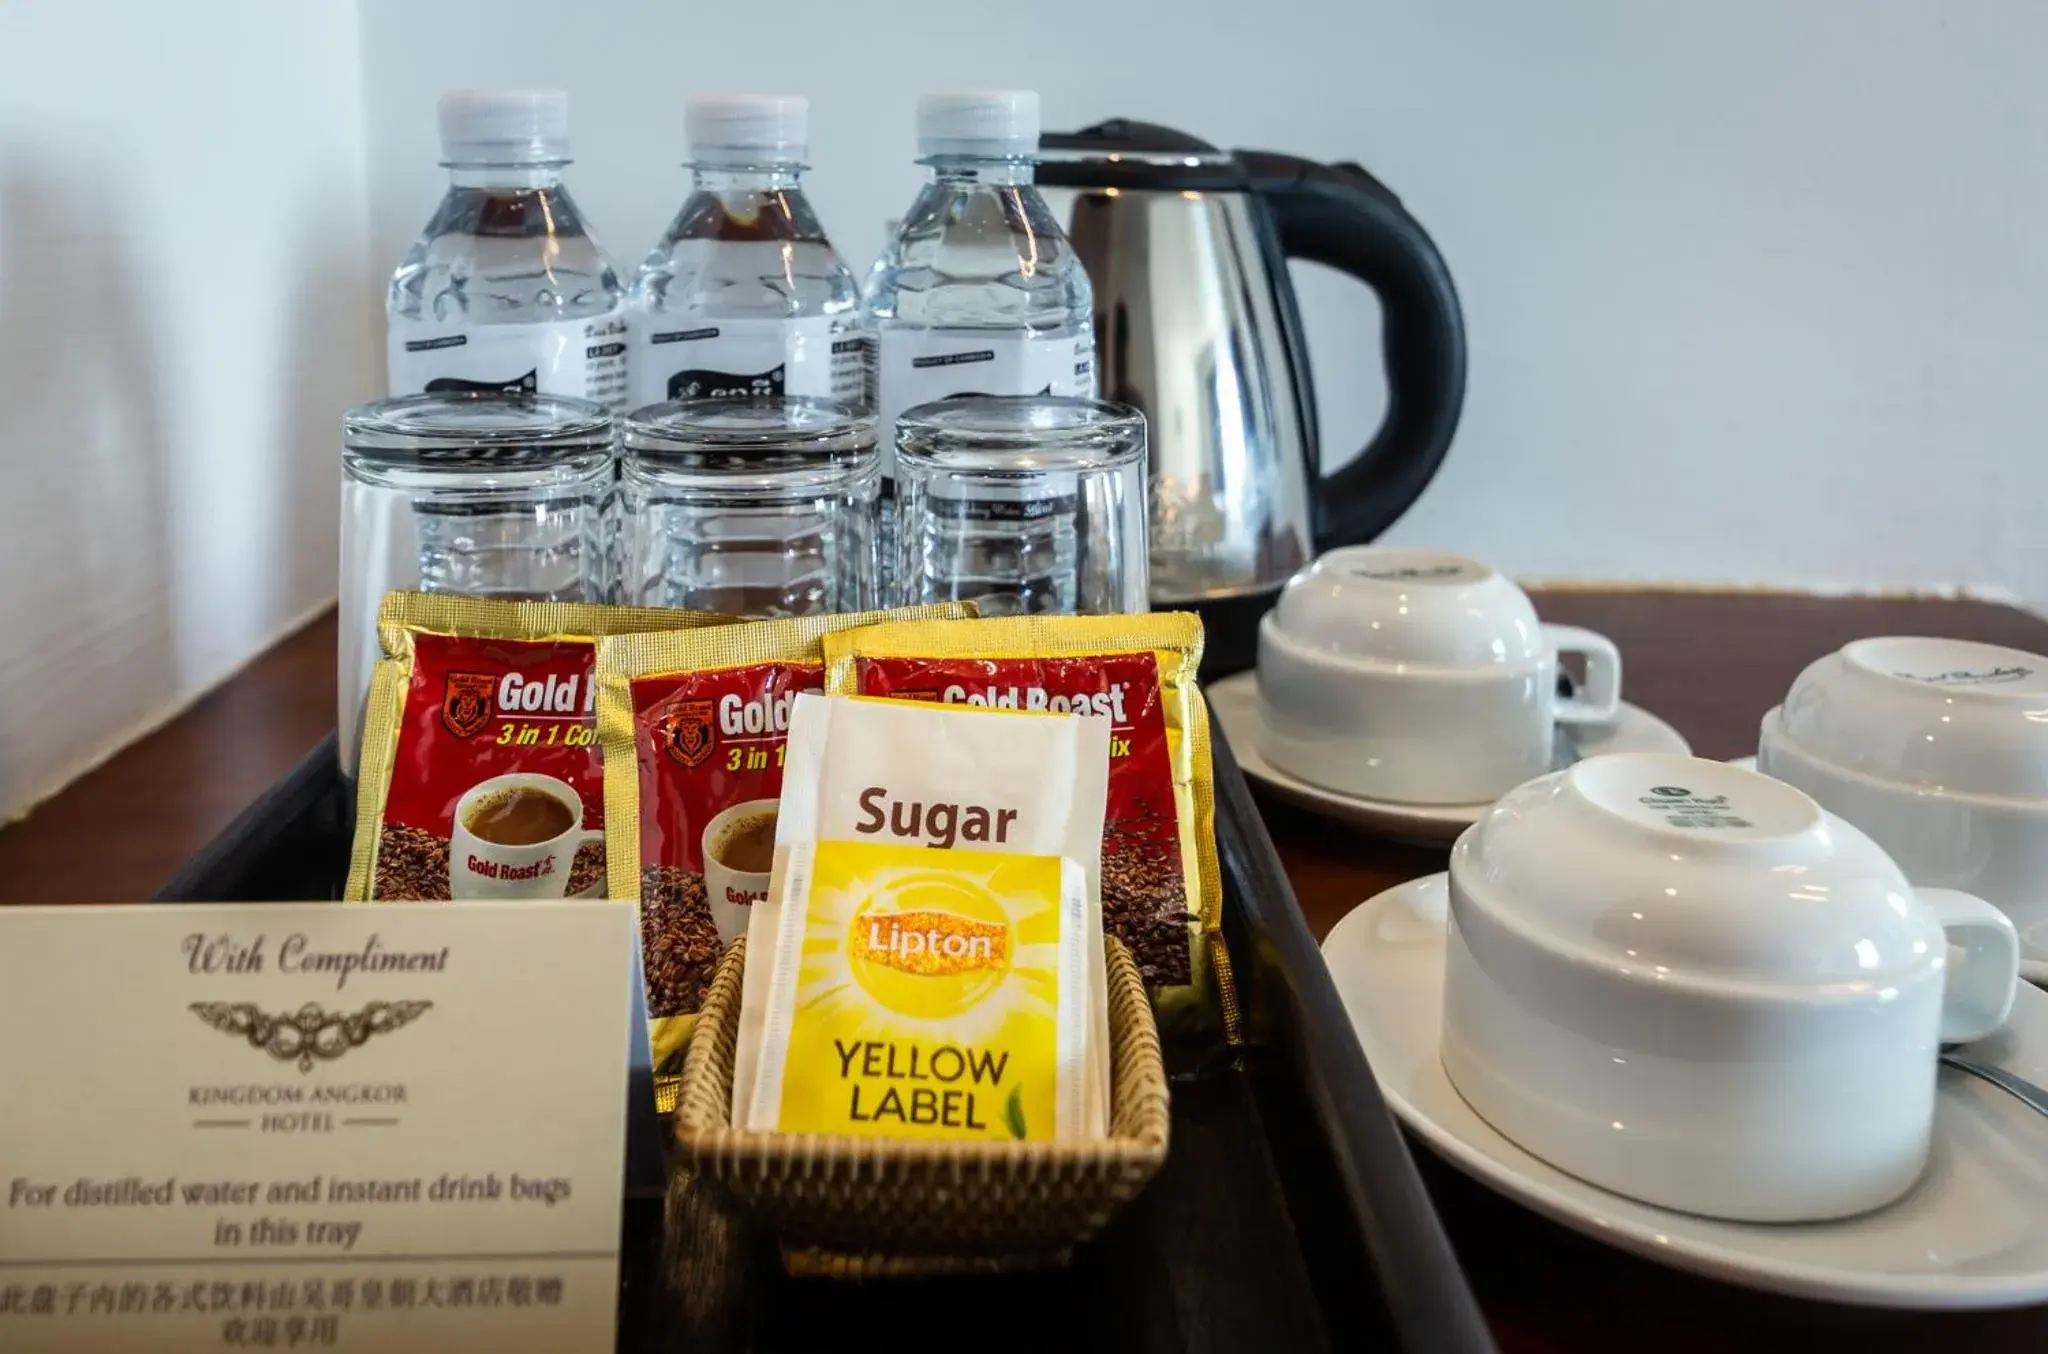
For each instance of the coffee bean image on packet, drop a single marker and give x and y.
(692, 724)
(1161, 889)
(929, 962)
(481, 774)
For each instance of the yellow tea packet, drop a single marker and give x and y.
(929, 961)
(692, 726)
(1161, 890)
(927, 994)
(481, 775)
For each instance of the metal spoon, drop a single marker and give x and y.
(2017, 1086)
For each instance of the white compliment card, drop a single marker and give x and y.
(312, 1127)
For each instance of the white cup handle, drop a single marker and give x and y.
(1983, 964)
(1600, 698)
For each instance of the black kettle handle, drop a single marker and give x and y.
(1342, 217)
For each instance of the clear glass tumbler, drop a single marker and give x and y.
(487, 494)
(1022, 504)
(751, 507)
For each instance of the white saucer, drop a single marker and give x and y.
(1973, 1233)
(1235, 700)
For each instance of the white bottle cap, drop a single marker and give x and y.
(504, 126)
(747, 128)
(989, 123)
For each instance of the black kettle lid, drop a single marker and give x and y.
(1123, 153)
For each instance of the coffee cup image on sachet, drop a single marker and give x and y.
(516, 837)
(739, 854)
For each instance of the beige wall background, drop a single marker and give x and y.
(186, 303)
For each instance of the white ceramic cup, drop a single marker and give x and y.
(1937, 748)
(1419, 677)
(1690, 984)
(478, 869)
(732, 893)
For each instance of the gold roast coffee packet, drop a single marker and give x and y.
(1161, 891)
(481, 775)
(929, 960)
(692, 724)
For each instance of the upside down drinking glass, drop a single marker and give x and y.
(761, 507)
(478, 493)
(1024, 504)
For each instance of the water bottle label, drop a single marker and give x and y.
(850, 368)
(585, 358)
(914, 366)
(678, 357)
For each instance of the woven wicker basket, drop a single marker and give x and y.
(856, 1207)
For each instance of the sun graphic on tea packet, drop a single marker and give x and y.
(894, 938)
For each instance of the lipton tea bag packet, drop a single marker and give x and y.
(929, 961)
(692, 724)
(1161, 891)
(481, 775)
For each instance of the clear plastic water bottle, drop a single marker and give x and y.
(979, 291)
(507, 290)
(744, 295)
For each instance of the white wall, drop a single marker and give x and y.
(186, 305)
(1756, 291)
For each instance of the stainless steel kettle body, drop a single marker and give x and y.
(1196, 324)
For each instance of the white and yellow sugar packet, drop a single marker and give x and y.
(929, 962)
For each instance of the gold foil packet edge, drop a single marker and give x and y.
(403, 613)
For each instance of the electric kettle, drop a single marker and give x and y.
(1195, 323)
